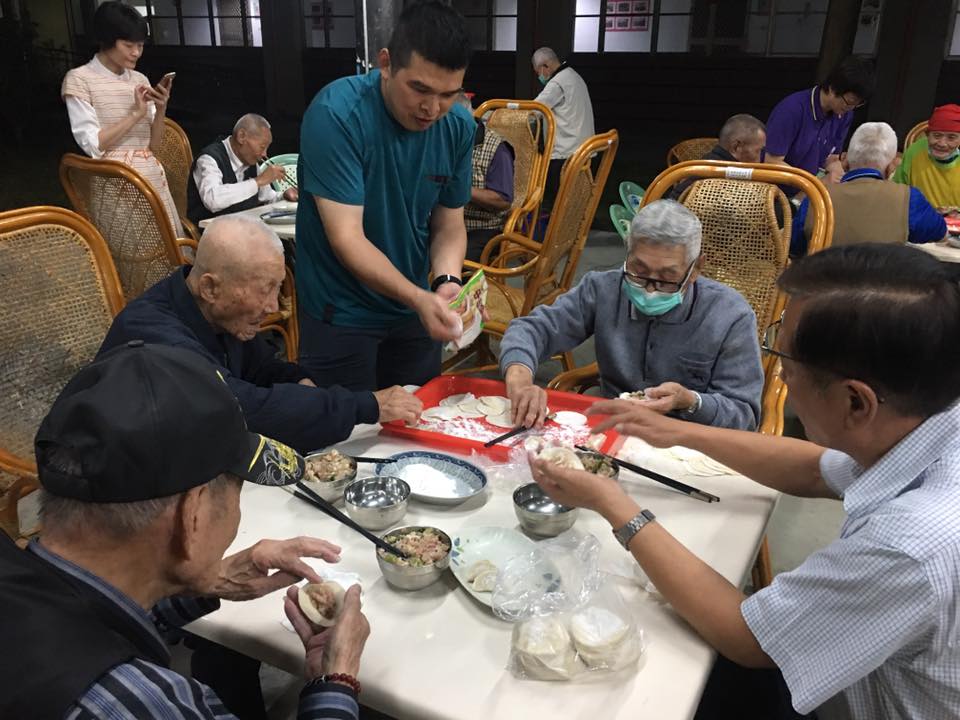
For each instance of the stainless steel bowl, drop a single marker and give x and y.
(406, 577)
(377, 502)
(539, 515)
(330, 490)
(592, 459)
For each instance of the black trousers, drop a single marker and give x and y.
(234, 677)
(367, 358)
(734, 691)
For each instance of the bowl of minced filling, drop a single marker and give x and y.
(429, 555)
(328, 472)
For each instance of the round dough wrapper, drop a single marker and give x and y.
(570, 418)
(496, 404)
(542, 645)
(596, 629)
(501, 421)
(329, 594)
(562, 456)
(470, 405)
(439, 413)
(452, 400)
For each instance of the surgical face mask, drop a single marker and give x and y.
(543, 79)
(652, 303)
(949, 158)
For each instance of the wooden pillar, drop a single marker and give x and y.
(910, 52)
(839, 31)
(524, 81)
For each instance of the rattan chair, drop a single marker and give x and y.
(128, 213)
(529, 127)
(916, 132)
(745, 247)
(692, 149)
(176, 156)
(61, 292)
(546, 270)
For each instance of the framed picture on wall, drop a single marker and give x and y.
(640, 23)
(609, 25)
(640, 7)
(624, 7)
(622, 22)
(612, 8)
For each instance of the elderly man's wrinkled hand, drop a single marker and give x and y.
(397, 404)
(629, 417)
(271, 173)
(246, 575)
(668, 397)
(336, 649)
(291, 194)
(528, 402)
(575, 488)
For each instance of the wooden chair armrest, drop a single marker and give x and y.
(772, 404)
(575, 378)
(187, 243)
(192, 230)
(501, 272)
(513, 238)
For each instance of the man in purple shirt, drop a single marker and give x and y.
(808, 129)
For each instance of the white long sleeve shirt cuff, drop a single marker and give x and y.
(85, 125)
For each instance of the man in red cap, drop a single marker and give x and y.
(932, 163)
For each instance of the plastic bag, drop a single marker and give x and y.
(571, 622)
(469, 305)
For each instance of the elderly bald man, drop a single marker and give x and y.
(215, 309)
(224, 176)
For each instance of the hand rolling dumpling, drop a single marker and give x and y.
(321, 602)
(562, 456)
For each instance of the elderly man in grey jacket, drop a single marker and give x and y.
(689, 343)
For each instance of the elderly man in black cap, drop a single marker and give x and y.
(141, 460)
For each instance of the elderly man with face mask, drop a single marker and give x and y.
(224, 178)
(688, 342)
(932, 163)
(141, 460)
(215, 309)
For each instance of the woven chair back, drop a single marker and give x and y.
(176, 156)
(582, 181)
(126, 210)
(744, 245)
(529, 128)
(61, 293)
(916, 132)
(692, 149)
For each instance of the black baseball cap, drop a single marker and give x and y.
(150, 421)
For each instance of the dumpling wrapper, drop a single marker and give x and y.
(562, 456)
(452, 400)
(494, 404)
(478, 568)
(603, 639)
(542, 646)
(439, 412)
(485, 581)
(501, 421)
(321, 602)
(570, 418)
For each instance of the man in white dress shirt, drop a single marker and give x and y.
(566, 94)
(224, 178)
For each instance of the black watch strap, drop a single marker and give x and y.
(443, 279)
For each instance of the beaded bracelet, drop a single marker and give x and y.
(342, 678)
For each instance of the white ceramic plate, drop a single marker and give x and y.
(496, 544)
(285, 205)
(434, 477)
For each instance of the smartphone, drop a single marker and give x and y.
(168, 78)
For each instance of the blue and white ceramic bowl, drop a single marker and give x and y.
(434, 477)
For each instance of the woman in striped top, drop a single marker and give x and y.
(114, 112)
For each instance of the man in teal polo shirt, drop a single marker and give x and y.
(385, 170)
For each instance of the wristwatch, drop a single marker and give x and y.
(697, 404)
(625, 534)
(442, 280)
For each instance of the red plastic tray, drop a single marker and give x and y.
(445, 385)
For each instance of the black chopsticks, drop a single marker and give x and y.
(371, 460)
(506, 436)
(308, 495)
(663, 479)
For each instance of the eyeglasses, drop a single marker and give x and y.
(656, 284)
(770, 340)
(853, 104)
